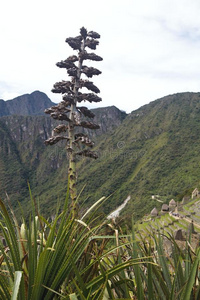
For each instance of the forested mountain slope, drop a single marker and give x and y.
(153, 150)
(156, 150)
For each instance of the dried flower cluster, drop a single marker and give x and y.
(67, 109)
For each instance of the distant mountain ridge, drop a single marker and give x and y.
(155, 150)
(35, 103)
(26, 105)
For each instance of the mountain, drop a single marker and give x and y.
(155, 150)
(24, 157)
(28, 104)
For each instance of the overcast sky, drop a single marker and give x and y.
(151, 48)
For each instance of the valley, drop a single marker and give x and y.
(154, 149)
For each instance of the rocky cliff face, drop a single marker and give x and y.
(28, 104)
(26, 128)
(108, 118)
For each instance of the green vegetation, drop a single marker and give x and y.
(69, 258)
(154, 150)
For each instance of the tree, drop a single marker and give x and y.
(69, 110)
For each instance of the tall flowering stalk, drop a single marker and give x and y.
(69, 109)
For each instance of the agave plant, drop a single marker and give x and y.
(60, 259)
(156, 273)
(47, 259)
(69, 110)
(69, 258)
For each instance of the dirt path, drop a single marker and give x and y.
(116, 212)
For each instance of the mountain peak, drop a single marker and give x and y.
(27, 104)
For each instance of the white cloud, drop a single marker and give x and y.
(150, 47)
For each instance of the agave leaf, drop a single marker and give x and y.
(79, 278)
(96, 282)
(178, 266)
(186, 294)
(150, 277)
(163, 262)
(197, 296)
(73, 297)
(4, 288)
(83, 223)
(11, 239)
(140, 291)
(92, 207)
(173, 288)
(17, 282)
(54, 292)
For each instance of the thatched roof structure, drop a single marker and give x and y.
(165, 207)
(154, 212)
(172, 202)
